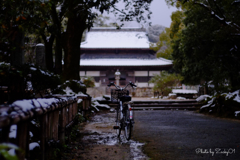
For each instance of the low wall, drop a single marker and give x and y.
(55, 115)
(143, 92)
(138, 92)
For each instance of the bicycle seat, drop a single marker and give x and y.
(125, 98)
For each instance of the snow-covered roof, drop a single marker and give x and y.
(116, 38)
(125, 62)
(184, 91)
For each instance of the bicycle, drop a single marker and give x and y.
(124, 117)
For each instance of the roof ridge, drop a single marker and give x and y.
(114, 29)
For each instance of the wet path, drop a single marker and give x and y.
(101, 142)
(185, 135)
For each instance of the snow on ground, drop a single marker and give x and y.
(181, 98)
(96, 104)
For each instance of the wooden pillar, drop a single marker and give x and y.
(55, 124)
(50, 126)
(22, 139)
(62, 123)
(75, 108)
(5, 134)
(70, 112)
(44, 135)
(84, 103)
(67, 114)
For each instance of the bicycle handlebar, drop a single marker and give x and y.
(113, 84)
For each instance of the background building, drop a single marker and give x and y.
(107, 50)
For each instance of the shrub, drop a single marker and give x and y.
(89, 82)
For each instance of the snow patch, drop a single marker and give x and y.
(13, 131)
(33, 145)
(202, 98)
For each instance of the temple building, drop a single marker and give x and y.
(107, 50)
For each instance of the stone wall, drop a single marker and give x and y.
(143, 92)
(138, 92)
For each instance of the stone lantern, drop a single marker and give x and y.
(117, 77)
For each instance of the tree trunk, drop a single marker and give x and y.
(17, 54)
(58, 56)
(206, 88)
(58, 48)
(75, 29)
(48, 51)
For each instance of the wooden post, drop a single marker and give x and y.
(70, 113)
(22, 139)
(55, 124)
(44, 134)
(75, 106)
(50, 125)
(84, 106)
(62, 120)
(5, 134)
(67, 114)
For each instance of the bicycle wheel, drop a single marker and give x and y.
(127, 124)
(118, 123)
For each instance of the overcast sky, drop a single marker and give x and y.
(160, 15)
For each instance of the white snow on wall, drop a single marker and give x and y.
(184, 91)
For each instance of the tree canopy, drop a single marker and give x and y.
(164, 45)
(61, 23)
(207, 47)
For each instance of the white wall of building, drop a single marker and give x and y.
(82, 74)
(152, 73)
(142, 84)
(93, 73)
(140, 73)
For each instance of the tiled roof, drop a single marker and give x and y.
(113, 38)
(118, 56)
(125, 62)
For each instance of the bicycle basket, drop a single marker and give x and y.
(117, 93)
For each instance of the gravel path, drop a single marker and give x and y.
(185, 135)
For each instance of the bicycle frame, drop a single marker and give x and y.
(125, 121)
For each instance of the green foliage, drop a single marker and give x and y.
(35, 79)
(164, 45)
(154, 31)
(75, 85)
(43, 79)
(89, 81)
(79, 118)
(164, 82)
(221, 105)
(7, 72)
(4, 147)
(18, 17)
(62, 21)
(207, 47)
